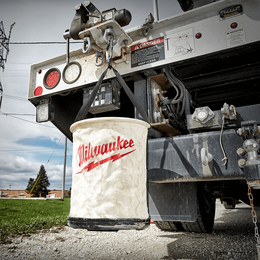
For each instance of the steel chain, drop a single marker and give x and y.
(253, 212)
(111, 40)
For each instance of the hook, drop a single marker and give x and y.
(86, 44)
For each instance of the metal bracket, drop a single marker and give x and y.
(229, 112)
(147, 26)
(206, 157)
(96, 33)
(202, 115)
(249, 129)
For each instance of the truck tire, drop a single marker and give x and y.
(169, 225)
(205, 212)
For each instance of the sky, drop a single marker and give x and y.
(24, 144)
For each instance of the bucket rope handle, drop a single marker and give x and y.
(135, 101)
(82, 114)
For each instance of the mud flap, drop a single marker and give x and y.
(172, 201)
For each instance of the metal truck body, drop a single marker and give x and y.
(201, 147)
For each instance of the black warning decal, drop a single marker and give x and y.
(147, 52)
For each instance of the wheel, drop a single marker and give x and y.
(169, 225)
(205, 212)
(229, 204)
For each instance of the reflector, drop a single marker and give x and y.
(51, 78)
(44, 112)
(38, 91)
(71, 72)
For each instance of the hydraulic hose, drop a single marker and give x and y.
(181, 85)
(179, 88)
(175, 82)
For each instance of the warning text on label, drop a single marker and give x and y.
(147, 52)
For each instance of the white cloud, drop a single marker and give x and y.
(16, 171)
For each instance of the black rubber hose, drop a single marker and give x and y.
(82, 114)
(174, 82)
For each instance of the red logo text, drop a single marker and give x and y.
(87, 152)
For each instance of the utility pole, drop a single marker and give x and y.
(155, 10)
(64, 168)
(1, 94)
(4, 44)
(4, 50)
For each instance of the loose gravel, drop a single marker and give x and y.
(232, 238)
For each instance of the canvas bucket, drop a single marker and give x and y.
(109, 186)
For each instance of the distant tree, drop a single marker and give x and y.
(69, 192)
(29, 185)
(41, 186)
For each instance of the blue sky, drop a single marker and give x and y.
(25, 146)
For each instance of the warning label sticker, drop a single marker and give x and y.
(236, 37)
(147, 52)
(180, 43)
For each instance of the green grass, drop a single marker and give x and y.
(23, 217)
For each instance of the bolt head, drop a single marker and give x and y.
(241, 151)
(242, 163)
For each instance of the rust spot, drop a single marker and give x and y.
(166, 128)
(98, 23)
(122, 57)
(162, 81)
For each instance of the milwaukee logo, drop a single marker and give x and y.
(88, 152)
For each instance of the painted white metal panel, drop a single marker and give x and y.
(171, 40)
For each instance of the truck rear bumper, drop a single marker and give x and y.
(179, 159)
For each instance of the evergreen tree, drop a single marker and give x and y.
(41, 185)
(30, 185)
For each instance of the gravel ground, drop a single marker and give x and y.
(232, 238)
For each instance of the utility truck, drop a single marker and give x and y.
(196, 75)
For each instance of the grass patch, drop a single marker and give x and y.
(23, 217)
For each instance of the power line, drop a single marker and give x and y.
(16, 71)
(26, 151)
(42, 42)
(14, 97)
(15, 75)
(21, 62)
(52, 153)
(15, 114)
(30, 121)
